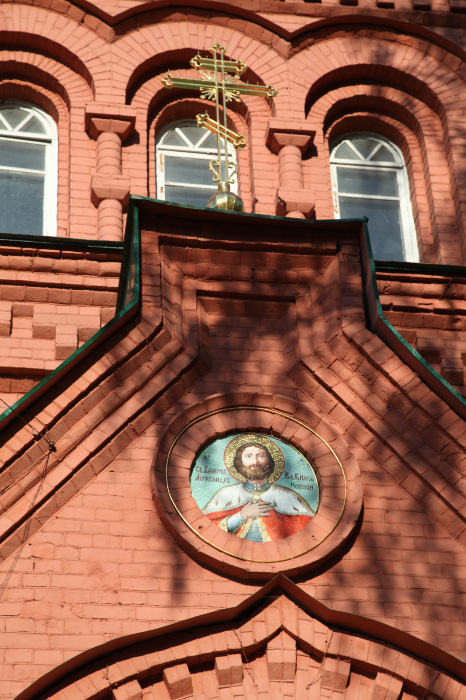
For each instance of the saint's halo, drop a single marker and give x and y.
(253, 438)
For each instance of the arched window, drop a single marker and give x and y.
(28, 170)
(183, 152)
(370, 179)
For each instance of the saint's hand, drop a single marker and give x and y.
(256, 510)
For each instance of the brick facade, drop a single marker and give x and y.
(126, 358)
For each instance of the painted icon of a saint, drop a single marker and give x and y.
(257, 508)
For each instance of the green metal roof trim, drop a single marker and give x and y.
(374, 313)
(384, 329)
(431, 269)
(127, 300)
(20, 240)
(130, 288)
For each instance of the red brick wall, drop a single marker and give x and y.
(85, 556)
(51, 302)
(429, 312)
(93, 561)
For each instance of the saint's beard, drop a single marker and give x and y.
(256, 473)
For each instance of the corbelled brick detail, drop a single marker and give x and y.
(128, 691)
(430, 312)
(335, 674)
(229, 670)
(178, 681)
(281, 658)
(330, 662)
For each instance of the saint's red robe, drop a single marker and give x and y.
(278, 526)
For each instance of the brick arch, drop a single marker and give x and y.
(49, 75)
(172, 60)
(377, 124)
(249, 23)
(29, 92)
(280, 642)
(369, 26)
(413, 71)
(48, 49)
(157, 42)
(67, 38)
(379, 60)
(110, 25)
(416, 129)
(384, 101)
(356, 74)
(165, 107)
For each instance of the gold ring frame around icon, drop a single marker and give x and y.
(253, 438)
(275, 412)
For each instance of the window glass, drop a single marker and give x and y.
(197, 197)
(28, 170)
(346, 152)
(183, 154)
(370, 179)
(367, 181)
(22, 202)
(22, 154)
(33, 126)
(382, 154)
(384, 219)
(192, 171)
(174, 139)
(363, 146)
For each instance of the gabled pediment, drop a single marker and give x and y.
(210, 295)
(124, 379)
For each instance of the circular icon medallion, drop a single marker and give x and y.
(256, 491)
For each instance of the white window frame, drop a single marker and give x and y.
(50, 172)
(198, 152)
(408, 230)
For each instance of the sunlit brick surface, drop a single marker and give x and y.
(286, 329)
(232, 314)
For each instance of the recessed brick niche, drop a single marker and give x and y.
(336, 469)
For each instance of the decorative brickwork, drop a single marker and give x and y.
(284, 648)
(429, 312)
(81, 540)
(126, 359)
(52, 301)
(402, 80)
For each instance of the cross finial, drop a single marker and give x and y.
(221, 77)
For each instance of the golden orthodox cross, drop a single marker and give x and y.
(220, 82)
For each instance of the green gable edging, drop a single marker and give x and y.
(129, 290)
